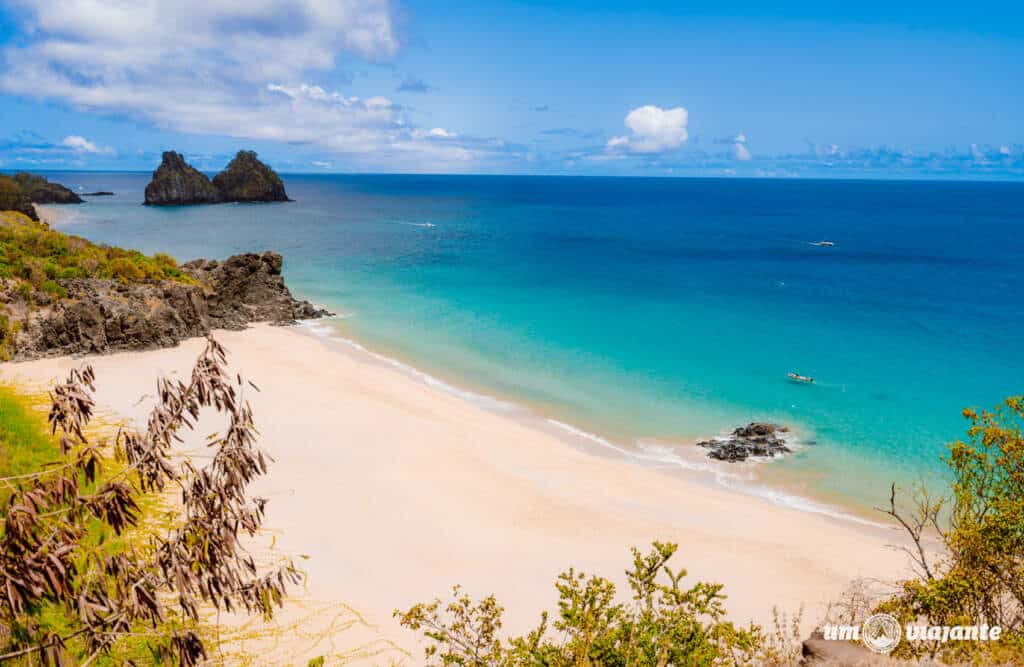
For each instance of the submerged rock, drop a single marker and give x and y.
(246, 179)
(177, 183)
(754, 439)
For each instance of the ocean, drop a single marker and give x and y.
(651, 312)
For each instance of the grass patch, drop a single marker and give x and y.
(25, 443)
(27, 447)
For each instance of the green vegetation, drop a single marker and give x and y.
(25, 445)
(30, 183)
(664, 624)
(977, 577)
(39, 257)
(13, 198)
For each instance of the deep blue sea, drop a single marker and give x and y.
(654, 311)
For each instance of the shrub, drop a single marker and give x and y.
(978, 578)
(53, 289)
(124, 270)
(33, 252)
(664, 624)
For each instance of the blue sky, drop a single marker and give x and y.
(872, 89)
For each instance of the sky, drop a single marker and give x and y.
(867, 89)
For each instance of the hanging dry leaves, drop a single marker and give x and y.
(198, 562)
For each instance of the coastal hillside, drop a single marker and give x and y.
(21, 191)
(40, 190)
(245, 179)
(61, 294)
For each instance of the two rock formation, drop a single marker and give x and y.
(107, 315)
(245, 179)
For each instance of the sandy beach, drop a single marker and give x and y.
(395, 490)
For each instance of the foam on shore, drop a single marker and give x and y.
(736, 477)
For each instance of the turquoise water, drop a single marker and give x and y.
(657, 309)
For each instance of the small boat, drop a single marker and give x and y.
(796, 377)
(824, 244)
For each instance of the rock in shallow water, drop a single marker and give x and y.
(755, 439)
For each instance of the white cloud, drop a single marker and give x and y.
(239, 69)
(80, 144)
(434, 133)
(740, 150)
(652, 130)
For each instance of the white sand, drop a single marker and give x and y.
(397, 490)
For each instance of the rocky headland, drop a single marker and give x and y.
(107, 315)
(245, 179)
(21, 191)
(12, 198)
(755, 439)
(41, 191)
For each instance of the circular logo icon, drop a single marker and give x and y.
(881, 633)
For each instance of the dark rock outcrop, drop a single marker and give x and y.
(816, 650)
(246, 179)
(41, 191)
(248, 288)
(106, 316)
(99, 193)
(754, 439)
(99, 316)
(177, 183)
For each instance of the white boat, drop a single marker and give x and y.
(796, 377)
(824, 244)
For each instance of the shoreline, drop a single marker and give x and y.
(676, 454)
(396, 490)
(676, 457)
